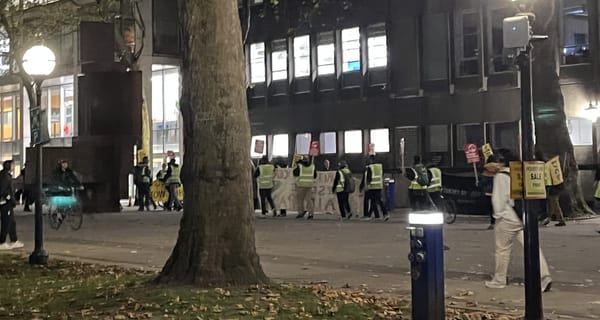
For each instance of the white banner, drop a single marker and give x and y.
(284, 192)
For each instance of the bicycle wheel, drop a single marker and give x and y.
(53, 218)
(75, 217)
(449, 212)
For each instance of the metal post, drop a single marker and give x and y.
(533, 289)
(39, 256)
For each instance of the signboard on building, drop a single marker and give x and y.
(516, 180)
(38, 126)
(259, 146)
(315, 148)
(471, 152)
(535, 185)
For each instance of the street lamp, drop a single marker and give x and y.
(38, 63)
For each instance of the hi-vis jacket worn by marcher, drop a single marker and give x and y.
(376, 182)
(435, 185)
(306, 177)
(266, 176)
(414, 185)
(174, 177)
(342, 180)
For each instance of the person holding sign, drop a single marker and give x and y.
(508, 226)
(554, 185)
(264, 174)
(343, 185)
(305, 174)
(373, 182)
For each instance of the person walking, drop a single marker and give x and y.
(305, 174)
(419, 178)
(508, 227)
(143, 184)
(343, 185)
(172, 182)
(434, 189)
(265, 173)
(373, 183)
(7, 203)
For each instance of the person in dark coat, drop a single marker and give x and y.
(7, 203)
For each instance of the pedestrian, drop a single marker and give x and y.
(280, 163)
(326, 165)
(372, 182)
(143, 184)
(434, 189)
(305, 174)
(551, 205)
(490, 169)
(265, 174)
(343, 185)
(24, 193)
(172, 182)
(419, 181)
(508, 226)
(7, 203)
(160, 175)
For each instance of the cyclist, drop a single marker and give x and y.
(64, 177)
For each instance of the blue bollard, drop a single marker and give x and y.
(427, 265)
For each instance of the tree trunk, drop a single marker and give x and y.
(552, 134)
(216, 244)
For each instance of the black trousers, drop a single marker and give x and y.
(9, 225)
(143, 195)
(173, 200)
(265, 195)
(344, 203)
(419, 200)
(372, 201)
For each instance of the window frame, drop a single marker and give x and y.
(322, 140)
(388, 148)
(374, 32)
(255, 61)
(562, 37)
(326, 39)
(279, 47)
(298, 57)
(362, 142)
(490, 39)
(344, 43)
(459, 40)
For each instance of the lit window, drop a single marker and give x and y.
(351, 49)
(381, 139)
(279, 61)
(302, 56)
(353, 141)
(257, 62)
(326, 60)
(580, 131)
(303, 143)
(575, 42)
(328, 142)
(377, 51)
(258, 146)
(280, 145)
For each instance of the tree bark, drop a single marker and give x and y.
(552, 134)
(216, 244)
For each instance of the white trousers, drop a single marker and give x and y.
(505, 234)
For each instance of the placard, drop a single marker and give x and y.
(315, 148)
(486, 149)
(471, 152)
(259, 146)
(535, 185)
(516, 180)
(371, 149)
(555, 170)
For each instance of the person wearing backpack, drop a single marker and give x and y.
(343, 185)
(419, 178)
(373, 182)
(509, 226)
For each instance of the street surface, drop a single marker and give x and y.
(355, 253)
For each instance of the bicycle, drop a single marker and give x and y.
(63, 205)
(447, 207)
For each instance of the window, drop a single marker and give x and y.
(468, 43)
(279, 60)
(326, 54)
(377, 45)
(281, 145)
(58, 101)
(497, 40)
(166, 127)
(580, 131)
(435, 47)
(258, 143)
(257, 62)
(353, 141)
(328, 142)
(381, 139)
(351, 49)
(303, 143)
(504, 135)
(469, 133)
(302, 56)
(4, 50)
(7, 118)
(575, 18)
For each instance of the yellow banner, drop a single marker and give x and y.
(159, 192)
(535, 186)
(141, 154)
(486, 149)
(297, 157)
(556, 175)
(516, 180)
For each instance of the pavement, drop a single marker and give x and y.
(355, 254)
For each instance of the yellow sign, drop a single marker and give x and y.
(535, 184)
(159, 192)
(516, 180)
(486, 149)
(555, 171)
(141, 154)
(297, 157)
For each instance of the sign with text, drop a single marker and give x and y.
(554, 169)
(259, 146)
(471, 152)
(315, 148)
(516, 180)
(371, 149)
(535, 185)
(486, 149)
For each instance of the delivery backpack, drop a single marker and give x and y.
(349, 184)
(422, 175)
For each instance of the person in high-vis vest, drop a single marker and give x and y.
(435, 185)
(265, 175)
(373, 183)
(305, 174)
(173, 181)
(160, 175)
(418, 187)
(143, 185)
(342, 185)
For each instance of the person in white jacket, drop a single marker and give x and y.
(508, 227)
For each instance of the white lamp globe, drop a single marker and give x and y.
(39, 61)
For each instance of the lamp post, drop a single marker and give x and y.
(38, 62)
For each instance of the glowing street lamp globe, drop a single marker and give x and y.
(39, 61)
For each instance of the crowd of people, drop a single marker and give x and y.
(169, 175)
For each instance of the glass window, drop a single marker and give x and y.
(255, 145)
(353, 141)
(468, 46)
(279, 67)
(469, 133)
(302, 56)
(257, 62)
(54, 112)
(435, 47)
(328, 142)
(68, 111)
(325, 54)
(351, 49)
(281, 145)
(303, 143)
(497, 18)
(377, 46)
(504, 135)
(59, 103)
(7, 118)
(166, 129)
(381, 139)
(4, 48)
(580, 131)
(438, 138)
(575, 18)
